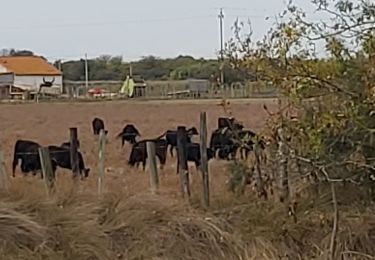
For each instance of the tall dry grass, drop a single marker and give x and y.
(77, 224)
(127, 222)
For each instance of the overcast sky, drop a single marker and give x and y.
(164, 28)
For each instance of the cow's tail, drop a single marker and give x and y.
(161, 136)
(15, 159)
(119, 135)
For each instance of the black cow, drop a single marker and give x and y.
(227, 142)
(223, 141)
(230, 123)
(97, 125)
(67, 145)
(128, 134)
(193, 154)
(138, 153)
(61, 156)
(28, 153)
(171, 137)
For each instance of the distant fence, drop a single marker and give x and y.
(177, 89)
(156, 90)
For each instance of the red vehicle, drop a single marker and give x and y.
(96, 91)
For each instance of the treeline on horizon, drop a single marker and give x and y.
(151, 68)
(108, 67)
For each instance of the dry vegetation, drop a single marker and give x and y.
(127, 222)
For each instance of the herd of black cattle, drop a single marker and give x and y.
(229, 138)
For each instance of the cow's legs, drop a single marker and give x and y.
(171, 150)
(197, 165)
(14, 165)
(144, 165)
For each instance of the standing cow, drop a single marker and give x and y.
(193, 154)
(171, 138)
(222, 141)
(129, 134)
(97, 125)
(138, 153)
(28, 153)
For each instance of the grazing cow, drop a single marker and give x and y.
(138, 153)
(171, 137)
(61, 156)
(128, 134)
(27, 152)
(97, 125)
(193, 154)
(222, 141)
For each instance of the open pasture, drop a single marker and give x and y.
(127, 221)
(48, 123)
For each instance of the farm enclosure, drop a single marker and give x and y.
(48, 124)
(127, 213)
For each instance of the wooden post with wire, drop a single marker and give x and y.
(74, 152)
(151, 157)
(101, 168)
(204, 163)
(182, 161)
(47, 170)
(3, 176)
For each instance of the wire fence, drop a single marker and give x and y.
(173, 89)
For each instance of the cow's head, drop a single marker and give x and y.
(86, 172)
(192, 131)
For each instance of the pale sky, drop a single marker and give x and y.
(164, 28)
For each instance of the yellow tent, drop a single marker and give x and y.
(128, 87)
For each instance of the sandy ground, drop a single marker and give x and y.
(48, 123)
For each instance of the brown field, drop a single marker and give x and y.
(128, 222)
(48, 123)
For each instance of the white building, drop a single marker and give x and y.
(26, 73)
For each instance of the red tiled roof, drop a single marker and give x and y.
(28, 65)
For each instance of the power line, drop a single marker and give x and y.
(101, 23)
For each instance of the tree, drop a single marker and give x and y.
(13, 52)
(341, 84)
(106, 67)
(325, 126)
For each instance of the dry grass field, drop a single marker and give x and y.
(128, 222)
(48, 123)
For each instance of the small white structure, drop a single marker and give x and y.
(19, 74)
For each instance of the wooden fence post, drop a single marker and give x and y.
(47, 170)
(151, 157)
(182, 161)
(3, 176)
(74, 152)
(204, 163)
(102, 142)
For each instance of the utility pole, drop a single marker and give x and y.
(59, 65)
(86, 74)
(221, 17)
